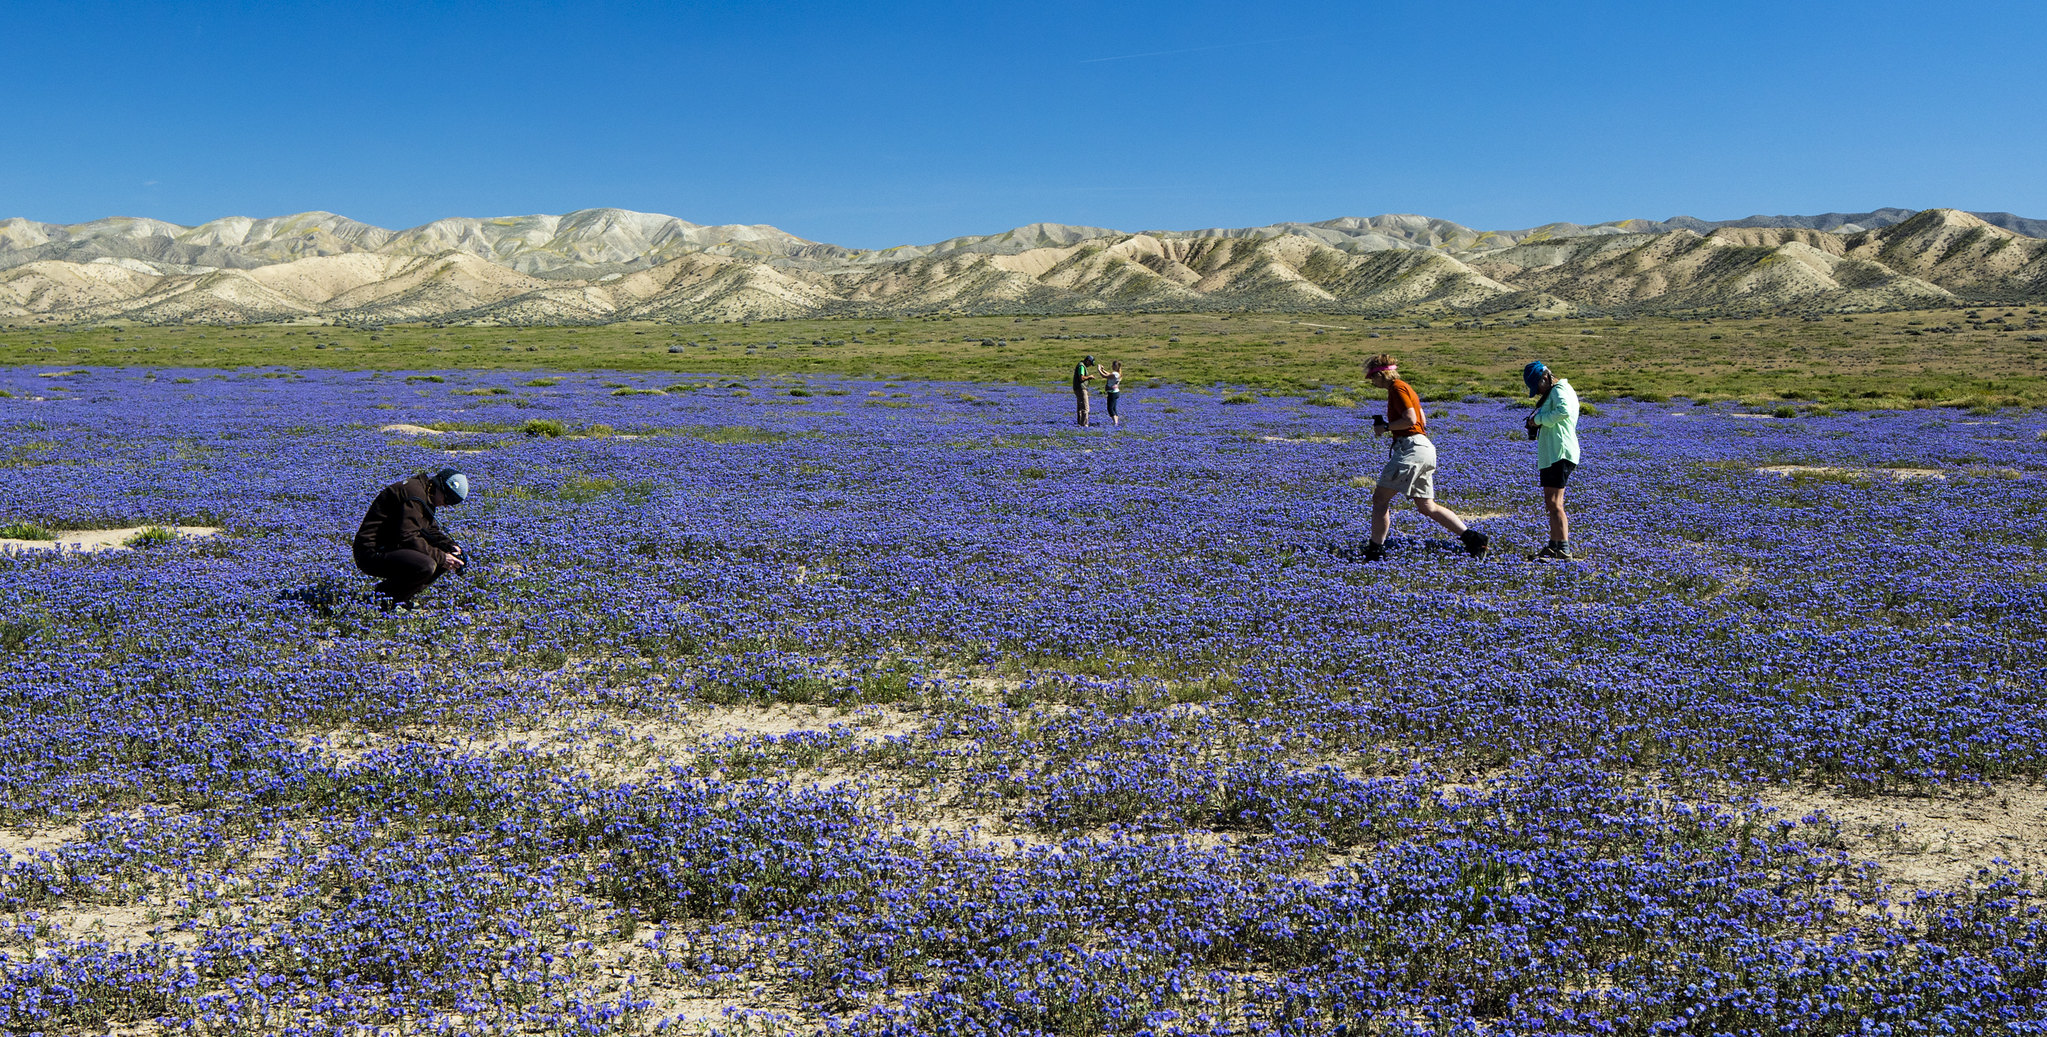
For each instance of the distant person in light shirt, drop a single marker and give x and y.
(1554, 427)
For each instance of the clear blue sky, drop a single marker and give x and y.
(878, 124)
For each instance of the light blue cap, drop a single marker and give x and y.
(454, 484)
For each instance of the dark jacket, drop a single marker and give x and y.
(402, 519)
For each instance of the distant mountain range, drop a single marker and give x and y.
(599, 265)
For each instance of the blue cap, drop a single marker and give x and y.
(1531, 376)
(452, 483)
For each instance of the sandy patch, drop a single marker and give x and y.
(635, 748)
(1305, 439)
(1900, 474)
(1939, 840)
(89, 541)
(411, 430)
(26, 842)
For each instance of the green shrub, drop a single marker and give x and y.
(1786, 411)
(493, 390)
(1240, 397)
(25, 531)
(424, 378)
(150, 536)
(542, 427)
(1588, 409)
(542, 383)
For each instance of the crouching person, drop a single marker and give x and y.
(399, 542)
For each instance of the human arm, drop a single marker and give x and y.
(418, 532)
(1558, 406)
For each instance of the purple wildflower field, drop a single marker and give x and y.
(912, 709)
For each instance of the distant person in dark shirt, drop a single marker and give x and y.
(399, 542)
(1082, 374)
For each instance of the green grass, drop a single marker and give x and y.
(150, 536)
(25, 531)
(1864, 361)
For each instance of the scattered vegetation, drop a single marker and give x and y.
(1870, 362)
(151, 536)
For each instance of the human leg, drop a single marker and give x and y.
(1080, 406)
(1554, 479)
(1382, 513)
(1421, 489)
(402, 574)
(1443, 516)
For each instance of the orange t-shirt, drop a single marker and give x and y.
(1402, 398)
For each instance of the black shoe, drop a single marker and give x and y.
(1475, 542)
(1559, 552)
(1374, 552)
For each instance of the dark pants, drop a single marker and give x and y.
(404, 573)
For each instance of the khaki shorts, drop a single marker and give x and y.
(1410, 468)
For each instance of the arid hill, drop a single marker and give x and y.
(601, 265)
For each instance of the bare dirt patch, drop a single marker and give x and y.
(1900, 474)
(27, 842)
(89, 541)
(1305, 439)
(412, 430)
(1938, 840)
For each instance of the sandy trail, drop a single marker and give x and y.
(90, 541)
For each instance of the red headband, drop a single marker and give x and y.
(1376, 368)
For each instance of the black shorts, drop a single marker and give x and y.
(1112, 403)
(1556, 476)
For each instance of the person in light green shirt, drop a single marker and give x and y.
(1554, 427)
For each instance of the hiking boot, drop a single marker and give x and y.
(1373, 552)
(1559, 552)
(1475, 542)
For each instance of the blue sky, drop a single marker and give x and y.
(870, 125)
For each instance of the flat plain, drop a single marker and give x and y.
(1989, 355)
(851, 688)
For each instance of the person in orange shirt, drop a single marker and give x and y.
(1410, 469)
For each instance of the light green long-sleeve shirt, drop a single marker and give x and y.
(1557, 425)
